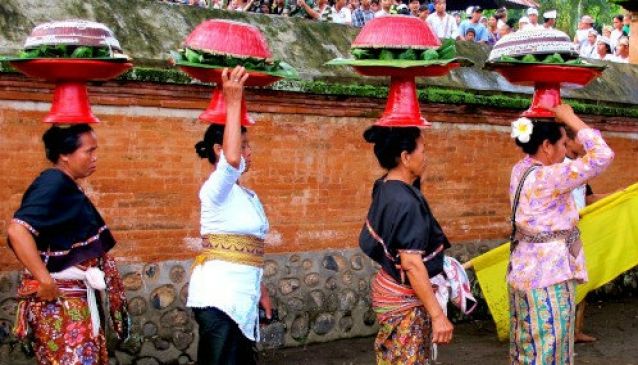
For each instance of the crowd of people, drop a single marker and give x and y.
(609, 42)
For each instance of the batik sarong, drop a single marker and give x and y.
(405, 333)
(542, 325)
(63, 331)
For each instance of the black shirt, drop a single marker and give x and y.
(66, 226)
(401, 216)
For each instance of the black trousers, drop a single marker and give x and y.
(221, 342)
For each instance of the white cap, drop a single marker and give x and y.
(550, 14)
(523, 19)
(532, 11)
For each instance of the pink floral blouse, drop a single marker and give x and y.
(546, 205)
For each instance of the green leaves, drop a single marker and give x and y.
(195, 58)
(429, 54)
(66, 51)
(552, 59)
(446, 51)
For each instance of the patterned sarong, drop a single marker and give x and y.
(542, 325)
(405, 334)
(62, 330)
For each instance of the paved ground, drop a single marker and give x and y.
(615, 324)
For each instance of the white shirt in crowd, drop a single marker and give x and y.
(581, 36)
(227, 208)
(616, 58)
(614, 38)
(381, 13)
(342, 16)
(588, 50)
(443, 27)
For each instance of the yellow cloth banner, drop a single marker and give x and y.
(609, 231)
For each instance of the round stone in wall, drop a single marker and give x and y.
(334, 262)
(176, 318)
(316, 300)
(347, 278)
(132, 281)
(369, 318)
(345, 324)
(299, 328)
(331, 283)
(137, 306)
(147, 361)
(273, 335)
(307, 264)
(177, 274)
(149, 329)
(270, 268)
(5, 330)
(356, 262)
(6, 286)
(294, 261)
(163, 296)
(8, 307)
(332, 302)
(347, 300)
(312, 279)
(363, 286)
(183, 360)
(182, 340)
(324, 323)
(161, 344)
(295, 305)
(287, 286)
(151, 272)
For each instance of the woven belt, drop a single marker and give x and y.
(569, 235)
(239, 249)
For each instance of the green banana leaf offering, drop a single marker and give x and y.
(555, 59)
(194, 58)
(402, 58)
(68, 51)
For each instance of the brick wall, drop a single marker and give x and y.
(312, 169)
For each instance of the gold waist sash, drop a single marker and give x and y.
(240, 249)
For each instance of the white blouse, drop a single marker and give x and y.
(233, 288)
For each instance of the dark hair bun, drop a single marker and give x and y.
(201, 149)
(375, 134)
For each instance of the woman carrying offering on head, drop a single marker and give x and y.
(402, 235)
(225, 287)
(547, 260)
(62, 241)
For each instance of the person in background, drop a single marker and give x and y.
(492, 33)
(457, 17)
(470, 35)
(532, 14)
(504, 30)
(550, 19)
(341, 13)
(374, 6)
(617, 31)
(386, 6)
(280, 8)
(588, 49)
(626, 24)
(442, 23)
(622, 51)
(264, 8)
(607, 29)
(523, 23)
(424, 11)
(483, 21)
(501, 17)
(354, 5)
(585, 25)
(414, 7)
(603, 49)
(363, 14)
(480, 31)
(321, 12)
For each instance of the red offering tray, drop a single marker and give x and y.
(215, 113)
(547, 80)
(235, 39)
(402, 108)
(70, 103)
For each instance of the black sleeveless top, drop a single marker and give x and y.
(65, 225)
(401, 216)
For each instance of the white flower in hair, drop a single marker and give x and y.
(522, 129)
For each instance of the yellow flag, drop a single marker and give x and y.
(609, 231)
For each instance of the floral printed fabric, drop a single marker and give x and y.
(542, 325)
(62, 333)
(546, 206)
(405, 340)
